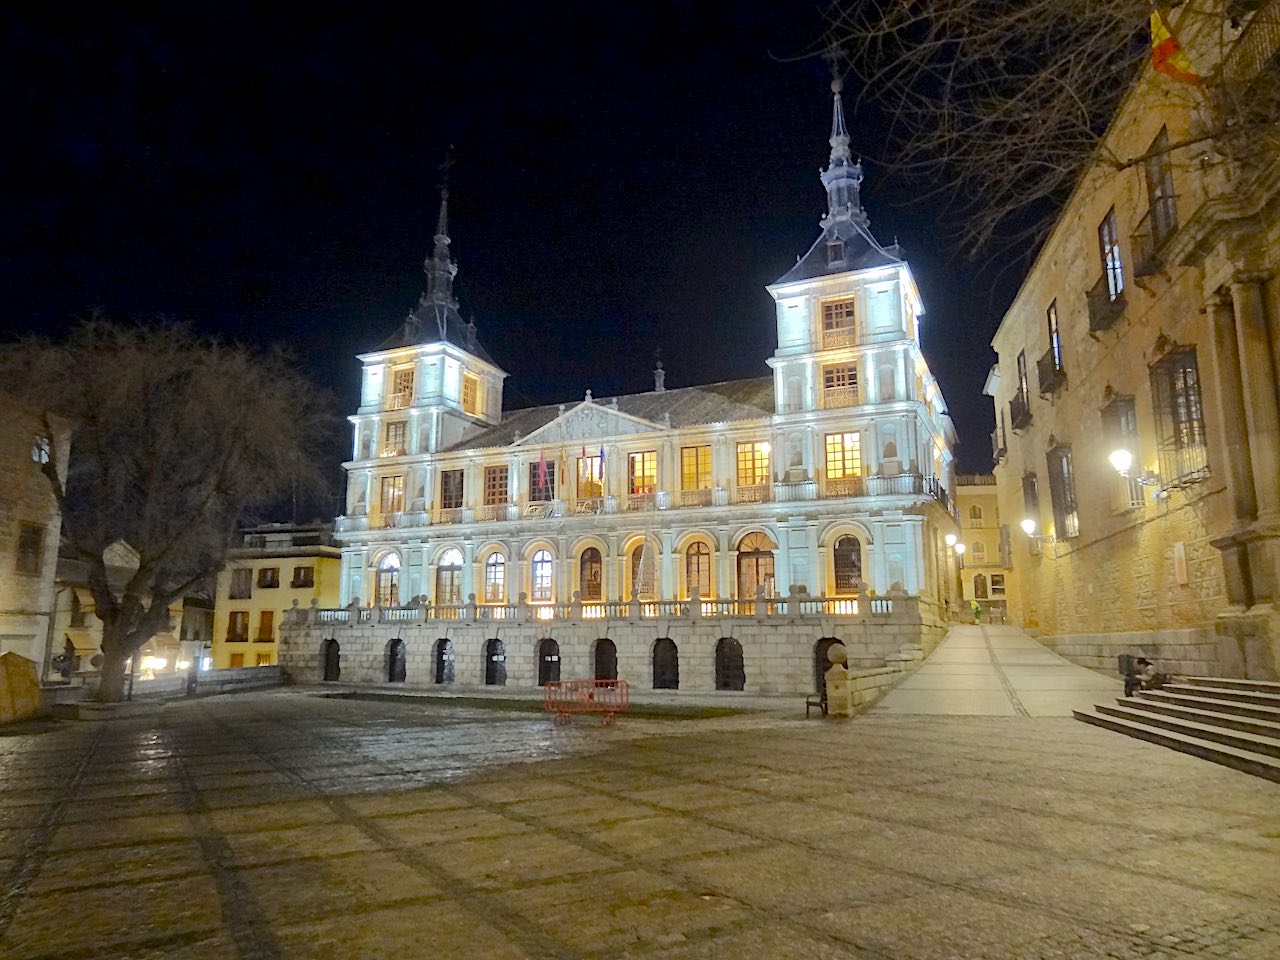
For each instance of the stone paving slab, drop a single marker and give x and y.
(280, 825)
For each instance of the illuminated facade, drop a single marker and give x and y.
(828, 478)
(1138, 430)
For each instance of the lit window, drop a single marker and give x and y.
(470, 393)
(837, 316)
(495, 486)
(590, 477)
(1055, 336)
(695, 468)
(449, 578)
(839, 385)
(541, 575)
(642, 571)
(697, 569)
(394, 445)
(642, 468)
(847, 558)
(495, 578)
(401, 389)
(269, 577)
(392, 494)
(303, 577)
(753, 463)
(844, 455)
(451, 489)
(1109, 247)
(590, 573)
(388, 586)
(1062, 493)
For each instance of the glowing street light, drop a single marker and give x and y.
(951, 539)
(1028, 526)
(1122, 460)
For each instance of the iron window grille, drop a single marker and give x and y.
(1062, 493)
(1180, 433)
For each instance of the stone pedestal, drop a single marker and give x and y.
(839, 689)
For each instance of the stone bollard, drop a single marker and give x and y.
(839, 689)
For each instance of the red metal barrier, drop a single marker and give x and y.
(566, 697)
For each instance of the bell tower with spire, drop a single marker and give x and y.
(848, 311)
(426, 388)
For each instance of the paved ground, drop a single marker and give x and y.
(284, 825)
(987, 670)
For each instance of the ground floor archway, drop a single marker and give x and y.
(396, 667)
(666, 665)
(331, 659)
(444, 661)
(548, 661)
(821, 662)
(606, 660)
(730, 673)
(495, 663)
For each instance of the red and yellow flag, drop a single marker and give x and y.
(1167, 55)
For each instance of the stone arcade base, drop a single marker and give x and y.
(778, 653)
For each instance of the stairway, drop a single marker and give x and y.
(1232, 722)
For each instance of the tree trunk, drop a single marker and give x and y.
(111, 679)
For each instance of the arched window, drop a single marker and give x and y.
(755, 565)
(642, 571)
(847, 556)
(591, 575)
(697, 569)
(975, 515)
(389, 581)
(449, 579)
(980, 587)
(541, 576)
(978, 552)
(495, 578)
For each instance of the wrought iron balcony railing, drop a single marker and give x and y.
(1019, 410)
(1105, 304)
(1151, 235)
(1050, 373)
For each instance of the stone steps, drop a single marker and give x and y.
(1232, 722)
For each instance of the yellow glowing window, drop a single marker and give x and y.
(642, 468)
(837, 316)
(753, 463)
(470, 393)
(590, 478)
(695, 468)
(392, 494)
(495, 486)
(395, 439)
(844, 455)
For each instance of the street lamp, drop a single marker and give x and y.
(1122, 460)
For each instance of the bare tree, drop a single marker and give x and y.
(176, 438)
(1000, 106)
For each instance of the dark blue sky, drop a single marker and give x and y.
(625, 181)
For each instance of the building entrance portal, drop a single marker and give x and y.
(730, 674)
(548, 661)
(330, 658)
(666, 665)
(495, 664)
(396, 661)
(606, 660)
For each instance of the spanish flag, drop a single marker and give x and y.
(1167, 55)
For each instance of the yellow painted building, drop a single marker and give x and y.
(1137, 422)
(276, 566)
(983, 566)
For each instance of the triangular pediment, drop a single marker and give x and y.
(588, 421)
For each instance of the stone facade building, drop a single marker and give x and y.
(1146, 340)
(30, 525)
(799, 495)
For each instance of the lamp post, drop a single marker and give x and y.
(955, 549)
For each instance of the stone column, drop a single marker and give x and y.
(668, 589)
(469, 578)
(1224, 360)
(722, 565)
(1259, 386)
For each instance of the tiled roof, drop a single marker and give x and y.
(687, 406)
(861, 251)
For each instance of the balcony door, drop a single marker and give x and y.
(755, 566)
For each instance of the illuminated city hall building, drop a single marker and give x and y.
(703, 536)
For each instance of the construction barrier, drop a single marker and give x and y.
(566, 697)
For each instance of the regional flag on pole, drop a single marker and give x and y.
(1167, 55)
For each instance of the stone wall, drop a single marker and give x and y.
(778, 653)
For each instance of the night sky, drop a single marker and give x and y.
(625, 181)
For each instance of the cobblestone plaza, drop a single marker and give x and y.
(290, 825)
